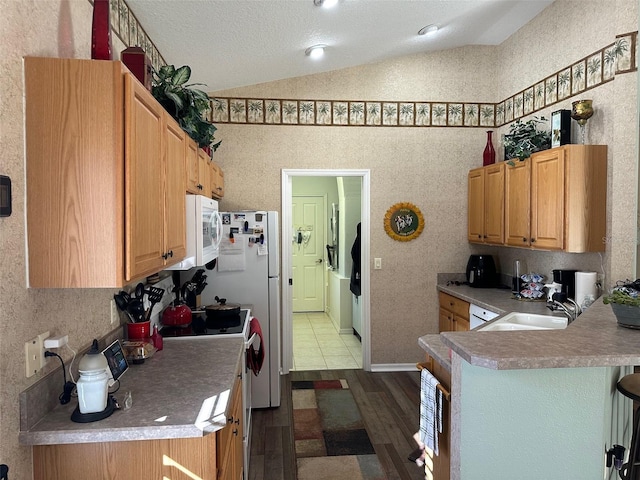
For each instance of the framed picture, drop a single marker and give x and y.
(560, 128)
(403, 222)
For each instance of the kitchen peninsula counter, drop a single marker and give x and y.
(594, 339)
(182, 391)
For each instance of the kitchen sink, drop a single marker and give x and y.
(526, 321)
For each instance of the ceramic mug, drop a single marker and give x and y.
(552, 288)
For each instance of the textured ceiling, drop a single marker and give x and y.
(233, 43)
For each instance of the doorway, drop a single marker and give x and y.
(287, 262)
(308, 265)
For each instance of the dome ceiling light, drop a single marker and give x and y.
(428, 29)
(325, 3)
(315, 51)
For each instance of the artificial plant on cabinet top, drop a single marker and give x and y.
(187, 105)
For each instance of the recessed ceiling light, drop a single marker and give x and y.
(315, 51)
(428, 29)
(325, 3)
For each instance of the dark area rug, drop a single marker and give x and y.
(330, 439)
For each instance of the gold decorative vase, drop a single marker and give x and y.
(581, 111)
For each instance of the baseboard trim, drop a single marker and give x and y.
(393, 367)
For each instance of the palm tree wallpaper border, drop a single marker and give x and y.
(589, 72)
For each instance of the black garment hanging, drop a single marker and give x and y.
(354, 284)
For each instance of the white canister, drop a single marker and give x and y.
(93, 384)
(586, 288)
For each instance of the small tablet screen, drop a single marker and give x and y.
(116, 359)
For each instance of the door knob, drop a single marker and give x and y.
(318, 261)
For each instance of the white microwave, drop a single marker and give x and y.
(204, 232)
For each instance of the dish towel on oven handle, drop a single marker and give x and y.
(256, 357)
(430, 410)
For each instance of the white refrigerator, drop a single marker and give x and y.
(248, 272)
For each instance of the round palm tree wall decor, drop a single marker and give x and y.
(403, 222)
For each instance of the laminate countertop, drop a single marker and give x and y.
(594, 339)
(182, 391)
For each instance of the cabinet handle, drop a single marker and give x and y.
(171, 253)
(237, 422)
(165, 256)
(230, 420)
(479, 236)
(235, 432)
(533, 240)
(485, 236)
(524, 239)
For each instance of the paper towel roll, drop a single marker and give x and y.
(586, 288)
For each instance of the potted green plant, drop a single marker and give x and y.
(524, 138)
(187, 105)
(625, 303)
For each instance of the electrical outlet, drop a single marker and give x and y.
(115, 317)
(34, 354)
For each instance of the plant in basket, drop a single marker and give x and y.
(625, 303)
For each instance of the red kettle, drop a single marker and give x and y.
(176, 315)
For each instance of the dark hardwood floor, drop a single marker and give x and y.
(389, 403)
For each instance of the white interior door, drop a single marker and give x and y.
(308, 253)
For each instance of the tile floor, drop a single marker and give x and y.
(317, 345)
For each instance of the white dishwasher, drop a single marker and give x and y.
(479, 316)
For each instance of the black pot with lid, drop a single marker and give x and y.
(223, 314)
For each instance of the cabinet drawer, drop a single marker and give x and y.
(454, 304)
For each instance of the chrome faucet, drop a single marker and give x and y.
(571, 312)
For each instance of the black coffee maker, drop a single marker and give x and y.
(568, 280)
(481, 271)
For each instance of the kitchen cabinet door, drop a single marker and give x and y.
(439, 468)
(486, 204)
(445, 320)
(144, 172)
(229, 440)
(217, 181)
(517, 204)
(547, 199)
(174, 203)
(494, 204)
(453, 313)
(74, 165)
(204, 174)
(475, 205)
(192, 167)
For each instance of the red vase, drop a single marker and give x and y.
(489, 155)
(101, 31)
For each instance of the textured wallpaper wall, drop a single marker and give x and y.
(424, 166)
(428, 165)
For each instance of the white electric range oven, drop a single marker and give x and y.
(205, 330)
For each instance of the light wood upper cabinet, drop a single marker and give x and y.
(547, 199)
(217, 181)
(204, 177)
(518, 204)
(486, 204)
(204, 173)
(98, 159)
(192, 167)
(174, 208)
(144, 192)
(556, 200)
